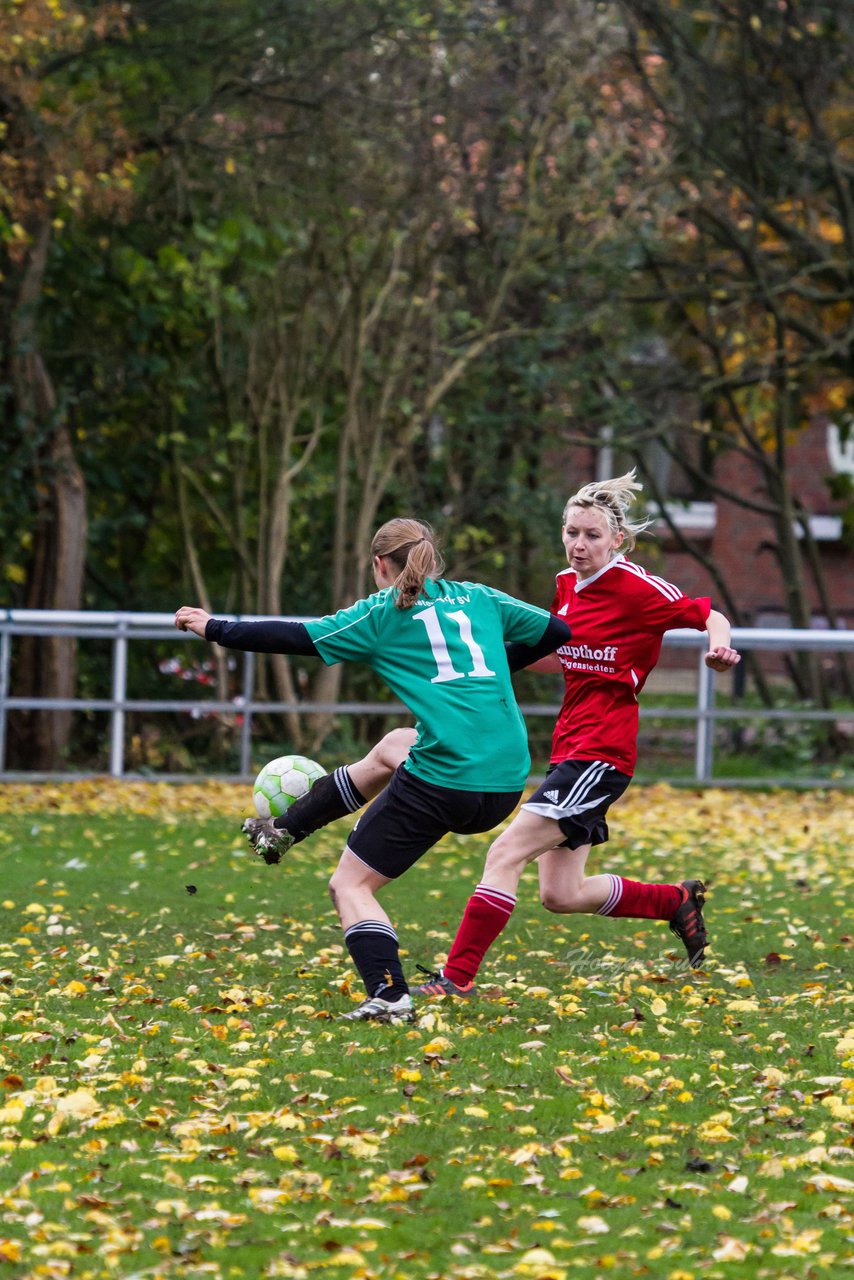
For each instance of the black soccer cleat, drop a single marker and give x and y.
(268, 841)
(688, 923)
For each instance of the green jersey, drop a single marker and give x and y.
(445, 659)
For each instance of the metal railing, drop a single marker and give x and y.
(121, 628)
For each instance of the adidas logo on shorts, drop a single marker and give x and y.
(554, 796)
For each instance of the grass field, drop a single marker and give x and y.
(179, 1099)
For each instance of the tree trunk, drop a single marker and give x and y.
(46, 667)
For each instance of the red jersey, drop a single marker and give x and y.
(618, 617)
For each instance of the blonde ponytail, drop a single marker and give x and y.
(410, 545)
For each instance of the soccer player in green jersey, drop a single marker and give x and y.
(446, 649)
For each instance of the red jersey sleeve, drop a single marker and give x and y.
(665, 615)
(665, 607)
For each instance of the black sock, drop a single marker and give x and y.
(331, 797)
(374, 951)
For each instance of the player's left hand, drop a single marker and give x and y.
(722, 658)
(189, 619)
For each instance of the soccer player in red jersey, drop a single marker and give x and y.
(618, 614)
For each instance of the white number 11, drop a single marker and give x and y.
(445, 667)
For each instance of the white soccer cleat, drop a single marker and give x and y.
(377, 1010)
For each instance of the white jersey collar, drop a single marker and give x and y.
(580, 583)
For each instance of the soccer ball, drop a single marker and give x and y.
(283, 781)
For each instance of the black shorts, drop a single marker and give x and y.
(411, 815)
(577, 794)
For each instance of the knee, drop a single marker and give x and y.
(549, 900)
(563, 899)
(393, 749)
(559, 903)
(334, 890)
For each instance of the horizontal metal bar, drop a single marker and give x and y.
(757, 713)
(397, 709)
(102, 625)
(229, 708)
(128, 621)
(119, 627)
(758, 783)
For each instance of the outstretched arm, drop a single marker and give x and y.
(275, 635)
(721, 656)
(556, 633)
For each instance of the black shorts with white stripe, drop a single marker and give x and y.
(577, 794)
(412, 815)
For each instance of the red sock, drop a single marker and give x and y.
(647, 901)
(486, 914)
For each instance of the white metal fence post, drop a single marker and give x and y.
(117, 716)
(704, 751)
(246, 727)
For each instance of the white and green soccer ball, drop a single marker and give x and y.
(283, 781)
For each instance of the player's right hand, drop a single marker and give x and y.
(722, 658)
(190, 619)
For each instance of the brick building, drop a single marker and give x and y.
(740, 541)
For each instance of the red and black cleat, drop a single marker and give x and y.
(688, 923)
(437, 985)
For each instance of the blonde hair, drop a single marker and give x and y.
(410, 545)
(613, 498)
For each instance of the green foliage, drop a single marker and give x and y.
(186, 315)
(351, 260)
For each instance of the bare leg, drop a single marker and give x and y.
(373, 772)
(528, 837)
(564, 888)
(370, 938)
(489, 908)
(353, 888)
